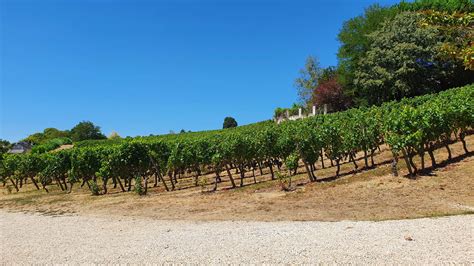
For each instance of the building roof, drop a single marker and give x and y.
(20, 147)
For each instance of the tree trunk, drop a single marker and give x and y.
(64, 183)
(242, 175)
(260, 168)
(394, 165)
(407, 161)
(155, 184)
(433, 160)
(464, 145)
(163, 181)
(129, 183)
(353, 161)
(229, 174)
(366, 161)
(44, 187)
(270, 166)
(322, 159)
(170, 175)
(175, 177)
(313, 169)
(415, 169)
(104, 185)
(216, 181)
(120, 184)
(70, 188)
(421, 153)
(34, 182)
(196, 177)
(311, 179)
(254, 178)
(59, 183)
(449, 151)
(338, 167)
(15, 185)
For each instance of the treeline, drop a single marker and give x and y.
(389, 53)
(84, 130)
(411, 127)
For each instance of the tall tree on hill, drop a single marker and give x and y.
(355, 42)
(308, 80)
(329, 92)
(86, 130)
(47, 135)
(229, 122)
(402, 61)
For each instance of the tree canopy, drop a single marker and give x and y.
(86, 130)
(308, 80)
(401, 62)
(229, 122)
(4, 146)
(47, 135)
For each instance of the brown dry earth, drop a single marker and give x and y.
(372, 194)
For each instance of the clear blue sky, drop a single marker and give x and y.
(148, 67)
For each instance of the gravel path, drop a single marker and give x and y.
(39, 239)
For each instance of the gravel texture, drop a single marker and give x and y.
(40, 239)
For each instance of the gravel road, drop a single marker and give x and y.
(40, 239)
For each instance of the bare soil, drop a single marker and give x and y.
(363, 194)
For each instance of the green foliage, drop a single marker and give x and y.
(308, 80)
(409, 125)
(284, 180)
(457, 30)
(51, 145)
(86, 130)
(443, 20)
(139, 189)
(402, 61)
(94, 188)
(291, 161)
(437, 5)
(355, 42)
(228, 123)
(4, 147)
(47, 135)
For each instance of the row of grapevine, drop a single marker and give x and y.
(411, 127)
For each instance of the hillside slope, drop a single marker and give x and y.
(372, 194)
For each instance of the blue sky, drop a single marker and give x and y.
(148, 67)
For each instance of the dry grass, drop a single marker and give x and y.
(372, 194)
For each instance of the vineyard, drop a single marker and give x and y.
(411, 128)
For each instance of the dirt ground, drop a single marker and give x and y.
(372, 194)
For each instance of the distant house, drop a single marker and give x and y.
(20, 147)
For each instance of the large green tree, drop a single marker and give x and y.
(308, 80)
(403, 61)
(47, 135)
(355, 42)
(86, 130)
(229, 122)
